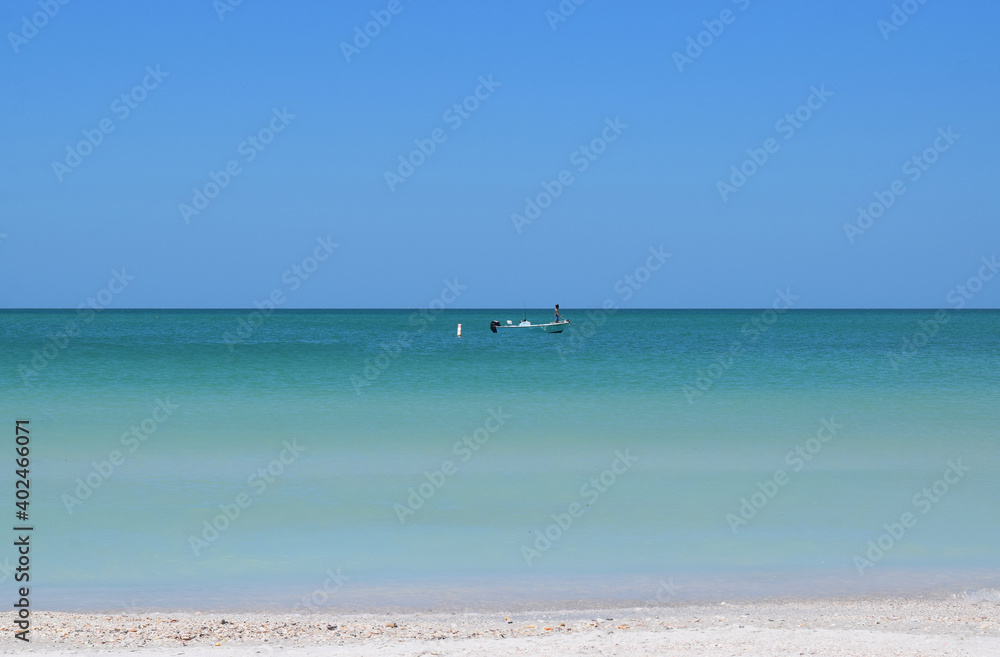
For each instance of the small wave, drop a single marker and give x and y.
(983, 595)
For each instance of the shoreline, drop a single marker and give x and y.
(494, 593)
(526, 606)
(959, 624)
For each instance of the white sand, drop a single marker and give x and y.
(957, 625)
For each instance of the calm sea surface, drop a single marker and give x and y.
(332, 459)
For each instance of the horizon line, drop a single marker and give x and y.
(522, 309)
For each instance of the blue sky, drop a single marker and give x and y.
(553, 86)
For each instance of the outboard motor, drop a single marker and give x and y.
(493, 325)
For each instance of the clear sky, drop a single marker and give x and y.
(312, 119)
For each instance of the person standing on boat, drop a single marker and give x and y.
(558, 318)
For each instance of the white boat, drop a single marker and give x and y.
(551, 327)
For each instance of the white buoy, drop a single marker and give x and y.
(459, 330)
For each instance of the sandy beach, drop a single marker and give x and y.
(959, 625)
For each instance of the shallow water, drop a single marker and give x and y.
(372, 457)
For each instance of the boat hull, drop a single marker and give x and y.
(551, 327)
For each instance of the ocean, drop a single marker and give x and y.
(371, 458)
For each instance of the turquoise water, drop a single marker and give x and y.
(353, 411)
